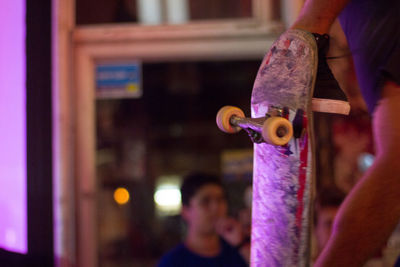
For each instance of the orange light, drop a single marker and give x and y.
(121, 196)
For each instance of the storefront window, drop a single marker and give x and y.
(146, 145)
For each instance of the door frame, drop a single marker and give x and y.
(76, 50)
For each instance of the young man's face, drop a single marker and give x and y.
(205, 208)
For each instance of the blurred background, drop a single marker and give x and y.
(129, 93)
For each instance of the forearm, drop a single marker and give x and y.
(365, 220)
(318, 15)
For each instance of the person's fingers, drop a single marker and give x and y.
(226, 225)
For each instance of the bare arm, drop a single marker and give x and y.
(370, 213)
(318, 15)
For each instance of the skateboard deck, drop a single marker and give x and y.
(283, 176)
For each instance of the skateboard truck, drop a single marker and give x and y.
(272, 129)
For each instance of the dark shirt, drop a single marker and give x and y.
(181, 256)
(397, 264)
(373, 34)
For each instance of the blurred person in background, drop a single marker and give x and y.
(326, 206)
(212, 238)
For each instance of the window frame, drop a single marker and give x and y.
(76, 50)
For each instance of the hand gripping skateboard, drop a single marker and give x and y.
(281, 128)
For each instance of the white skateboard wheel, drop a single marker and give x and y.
(223, 119)
(277, 131)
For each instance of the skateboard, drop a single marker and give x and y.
(281, 127)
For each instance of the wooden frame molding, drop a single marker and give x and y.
(76, 51)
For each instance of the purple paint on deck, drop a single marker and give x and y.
(13, 220)
(281, 199)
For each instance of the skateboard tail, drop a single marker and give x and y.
(282, 196)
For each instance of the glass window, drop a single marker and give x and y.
(211, 9)
(159, 11)
(146, 145)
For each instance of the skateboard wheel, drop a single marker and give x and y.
(277, 131)
(223, 119)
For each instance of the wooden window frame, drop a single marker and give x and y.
(76, 50)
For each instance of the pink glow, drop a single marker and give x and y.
(13, 213)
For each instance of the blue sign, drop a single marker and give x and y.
(118, 80)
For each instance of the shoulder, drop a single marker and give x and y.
(172, 257)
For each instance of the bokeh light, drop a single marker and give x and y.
(121, 196)
(168, 199)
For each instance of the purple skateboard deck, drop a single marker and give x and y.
(283, 177)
